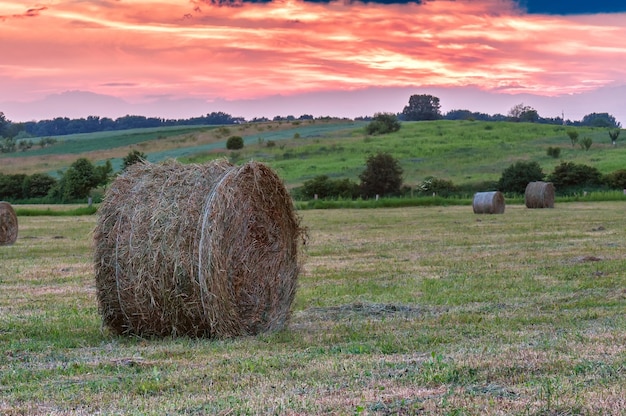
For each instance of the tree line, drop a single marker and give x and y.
(424, 107)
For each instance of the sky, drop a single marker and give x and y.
(185, 58)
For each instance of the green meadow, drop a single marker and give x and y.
(464, 152)
(404, 311)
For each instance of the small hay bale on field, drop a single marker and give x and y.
(207, 250)
(539, 195)
(488, 203)
(8, 224)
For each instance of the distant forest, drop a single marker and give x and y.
(61, 126)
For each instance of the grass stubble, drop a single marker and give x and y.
(426, 310)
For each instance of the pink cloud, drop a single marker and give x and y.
(136, 48)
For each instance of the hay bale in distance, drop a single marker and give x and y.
(8, 224)
(488, 203)
(207, 250)
(539, 195)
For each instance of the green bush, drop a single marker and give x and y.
(585, 143)
(234, 143)
(324, 188)
(572, 175)
(134, 156)
(554, 152)
(383, 123)
(437, 186)
(616, 180)
(518, 175)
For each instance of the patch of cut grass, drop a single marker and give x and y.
(422, 310)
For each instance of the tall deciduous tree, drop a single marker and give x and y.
(525, 113)
(382, 176)
(422, 107)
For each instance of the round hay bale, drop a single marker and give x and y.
(539, 195)
(488, 203)
(8, 224)
(196, 250)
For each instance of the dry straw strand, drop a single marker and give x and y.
(209, 250)
(8, 224)
(539, 195)
(488, 203)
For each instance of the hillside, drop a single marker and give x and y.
(464, 152)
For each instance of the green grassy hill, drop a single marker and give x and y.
(464, 152)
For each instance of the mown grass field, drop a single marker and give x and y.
(422, 310)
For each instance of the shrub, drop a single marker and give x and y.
(573, 136)
(38, 185)
(586, 142)
(554, 152)
(134, 156)
(234, 143)
(518, 175)
(438, 186)
(324, 187)
(383, 123)
(616, 180)
(571, 175)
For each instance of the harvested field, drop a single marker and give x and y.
(428, 311)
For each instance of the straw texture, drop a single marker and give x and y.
(207, 250)
(539, 195)
(8, 224)
(488, 203)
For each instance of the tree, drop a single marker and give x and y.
(516, 177)
(4, 124)
(134, 156)
(614, 134)
(38, 185)
(383, 123)
(570, 175)
(523, 113)
(103, 173)
(77, 181)
(573, 136)
(382, 176)
(600, 120)
(422, 107)
(12, 186)
(234, 143)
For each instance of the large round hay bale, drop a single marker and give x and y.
(207, 250)
(8, 224)
(488, 203)
(539, 195)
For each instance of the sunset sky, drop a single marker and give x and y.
(190, 57)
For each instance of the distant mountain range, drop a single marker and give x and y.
(350, 104)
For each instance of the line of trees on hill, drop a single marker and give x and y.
(424, 107)
(62, 126)
(421, 107)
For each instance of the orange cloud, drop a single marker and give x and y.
(136, 48)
